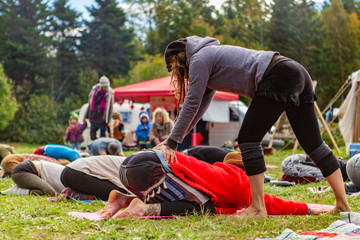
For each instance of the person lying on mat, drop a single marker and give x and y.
(36, 177)
(95, 176)
(186, 186)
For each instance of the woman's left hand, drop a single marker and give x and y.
(169, 154)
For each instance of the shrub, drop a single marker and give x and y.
(36, 122)
(8, 105)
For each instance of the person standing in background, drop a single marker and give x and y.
(99, 111)
(143, 129)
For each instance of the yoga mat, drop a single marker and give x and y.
(96, 216)
(320, 206)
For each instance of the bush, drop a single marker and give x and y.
(36, 122)
(335, 132)
(8, 105)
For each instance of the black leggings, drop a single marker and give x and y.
(93, 131)
(263, 113)
(83, 183)
(184, 207)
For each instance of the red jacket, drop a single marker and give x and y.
(228, 186)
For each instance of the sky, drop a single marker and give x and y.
(80, 5)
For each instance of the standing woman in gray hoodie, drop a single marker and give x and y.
(200, 66)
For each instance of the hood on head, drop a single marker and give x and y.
(195, 43)
(144, 114)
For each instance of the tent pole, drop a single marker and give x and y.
(338, 94)
(326, 127)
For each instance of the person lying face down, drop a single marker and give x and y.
(105, 146)
(10, 161)
(93, 176)
(36, 177)
(164, 189)
(58, 152)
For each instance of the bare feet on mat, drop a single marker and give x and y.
(138, 208)
(116, 201)
(250, 213)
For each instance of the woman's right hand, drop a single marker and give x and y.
(169, 154)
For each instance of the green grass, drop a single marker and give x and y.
(31, 217)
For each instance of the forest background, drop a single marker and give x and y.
(50, 56)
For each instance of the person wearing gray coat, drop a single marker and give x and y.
(276, 84)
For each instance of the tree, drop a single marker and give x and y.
(8, 105)
(244, 23)
(343, 30)
(283, 28)
(170, 20)
(107, 44)
(23, 45)
(296, 31)
(65, 65)
(150, 68)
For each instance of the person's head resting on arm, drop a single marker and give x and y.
(113, 149)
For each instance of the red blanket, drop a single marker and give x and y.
(229, 186)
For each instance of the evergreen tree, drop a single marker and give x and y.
(64, 28)
(107, 45)
(24, 45)
(283, 28)
(296, 31)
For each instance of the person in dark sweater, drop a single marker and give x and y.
(200, 66)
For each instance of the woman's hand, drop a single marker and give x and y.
(169, 154)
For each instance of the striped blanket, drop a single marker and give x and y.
(348, 228)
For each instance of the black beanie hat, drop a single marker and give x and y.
(174, 48)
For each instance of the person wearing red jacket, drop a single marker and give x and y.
(189, 185)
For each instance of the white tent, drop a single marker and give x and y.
(347, 111)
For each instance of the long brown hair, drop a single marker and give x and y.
(179, 79)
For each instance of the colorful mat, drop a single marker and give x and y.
(344, 229)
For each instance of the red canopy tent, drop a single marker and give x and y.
(141, 92)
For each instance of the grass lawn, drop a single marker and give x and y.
(31, 217)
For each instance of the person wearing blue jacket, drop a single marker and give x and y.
(143, 129)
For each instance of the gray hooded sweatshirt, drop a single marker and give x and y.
(213, 67)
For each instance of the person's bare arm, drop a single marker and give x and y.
(102, 153)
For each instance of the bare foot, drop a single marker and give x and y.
(116, 201)
(56, 198)
(137, 208)
(317, 211)
(65, 193)
(341, 207)
(250, 213)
